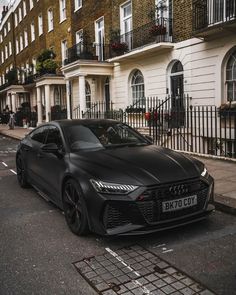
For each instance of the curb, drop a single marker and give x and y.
(224, 208)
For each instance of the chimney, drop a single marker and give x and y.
(4, 11)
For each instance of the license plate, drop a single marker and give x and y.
(178, 204)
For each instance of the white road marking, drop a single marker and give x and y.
(158, 246)
(167, 251)
(4, 164)
(14, 172)
(137, 283)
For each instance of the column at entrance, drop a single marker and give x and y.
(68, 99)
(82, 94)
(13, 101)
(39, 106)
(47, 102)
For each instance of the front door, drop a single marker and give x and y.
(107, 94)
(177, 103)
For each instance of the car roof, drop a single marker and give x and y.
(73, 122)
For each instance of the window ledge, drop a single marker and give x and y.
(77, 9)
(62, 21)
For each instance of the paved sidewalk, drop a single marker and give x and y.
(223, 171)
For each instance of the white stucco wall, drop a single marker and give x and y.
(204, 71)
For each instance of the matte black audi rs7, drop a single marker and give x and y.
(111, 180)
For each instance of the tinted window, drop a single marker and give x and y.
(54, 136)
(39, 134)
(102, 135)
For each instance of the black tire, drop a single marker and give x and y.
(21, 173)
(75, 208)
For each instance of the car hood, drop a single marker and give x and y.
(141, 165)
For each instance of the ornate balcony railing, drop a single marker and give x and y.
(154, 32)
(207, 13)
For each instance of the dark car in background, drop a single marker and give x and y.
(110, 179)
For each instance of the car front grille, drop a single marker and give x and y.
(149, 209)
(152, 209)
(113, 217)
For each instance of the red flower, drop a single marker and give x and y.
(157, 30)
(119, 46)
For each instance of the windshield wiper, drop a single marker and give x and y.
(111, 146)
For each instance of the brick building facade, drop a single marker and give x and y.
(122, 51)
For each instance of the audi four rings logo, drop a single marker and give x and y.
(178, 190)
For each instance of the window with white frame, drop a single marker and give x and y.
(4, 31)
(62, 5)
(31, 4)
(78, 4)
(21, 42)
(231, 77)
(99, 38)
(10, 48)
(8, 26)
(63, 51)
(26, 37)
(79, 41)
(126, 23)
(16, 19)
(24, 8)
(40, 24)
(17, 46)
(137, 87)
(34, 60)
(2, 53)
(6, 51)
(32, 30)
(0, 38)
(20, 14)
(50, 19)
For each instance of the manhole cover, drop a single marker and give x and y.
(136, 271)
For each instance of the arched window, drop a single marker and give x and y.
(231, 77)
(88, 95)
(137, 86)
(177, 67)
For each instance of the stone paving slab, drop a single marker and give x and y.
(136, 271)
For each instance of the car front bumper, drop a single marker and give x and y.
(131, 215)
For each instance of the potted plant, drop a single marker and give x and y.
(157, 30)
(119, 46)
(227, 109)
(46, 63)
(152, 117)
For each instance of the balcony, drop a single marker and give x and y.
(213, 18)
(155, 32)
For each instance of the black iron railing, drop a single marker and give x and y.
(182, 126)
(208, 12)
(155, 31)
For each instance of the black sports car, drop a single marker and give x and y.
(110, 179)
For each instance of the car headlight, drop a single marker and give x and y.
(112, 188)
(204, 172)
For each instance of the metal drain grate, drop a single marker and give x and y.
(136, 271)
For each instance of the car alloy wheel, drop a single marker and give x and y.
(21, 173)
(74, 208)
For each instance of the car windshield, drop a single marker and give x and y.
(102, 136)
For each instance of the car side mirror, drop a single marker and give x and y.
(50, 148)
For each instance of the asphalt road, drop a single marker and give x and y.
(37, 250)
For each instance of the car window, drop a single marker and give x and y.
(39, 134)
(102, 135)
(54, 136)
